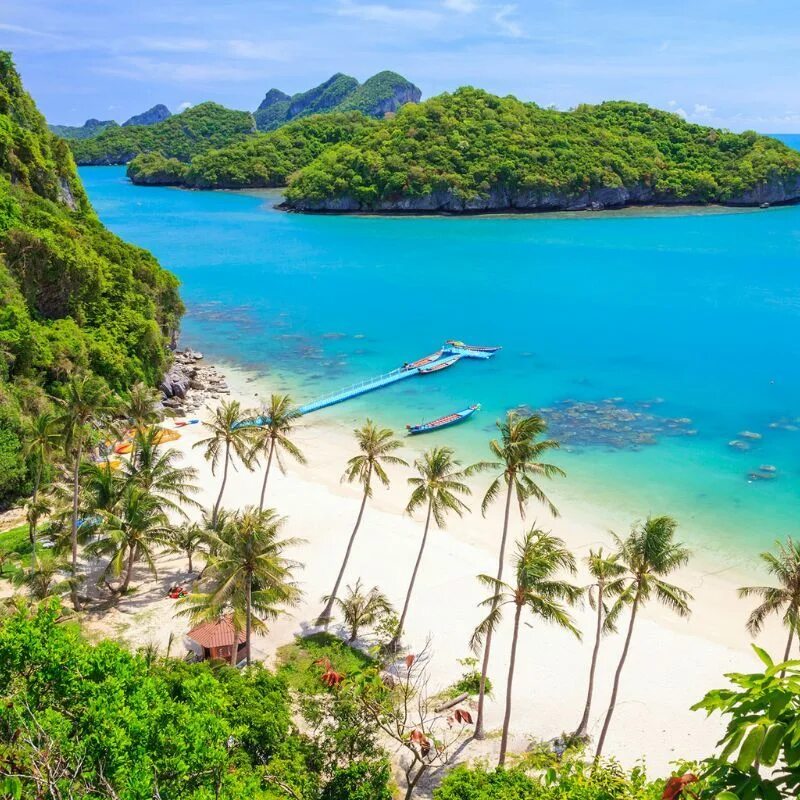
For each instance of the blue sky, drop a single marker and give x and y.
(731, 63)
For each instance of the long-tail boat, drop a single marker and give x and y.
(474, 348)
(439, 365)
(442, 422)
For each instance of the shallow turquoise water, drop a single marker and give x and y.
(698, 309)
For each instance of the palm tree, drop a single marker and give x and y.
(48, 576)
(783, 599)
(649, 553)
(437, 487)
(87, 400)
(375, 450)
(188, 539)
(131, 534)
(607, 584)
(141, 406)
(518, 455)
(154, 469)
(272, 437)
(227, 434)
(540, 557)
(249, 574)
(360, 609)
(40, 441)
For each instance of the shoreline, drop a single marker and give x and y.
(672, 664)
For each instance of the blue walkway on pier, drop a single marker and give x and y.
(442, 359)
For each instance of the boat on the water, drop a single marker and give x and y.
(443, 422)
(474, 348)
(439, 365)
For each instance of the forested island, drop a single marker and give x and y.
(471, 151)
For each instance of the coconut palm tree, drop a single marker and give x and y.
(607, 584)
(273, 437)
(141, 405)
(48, 576)
(86, 401)
(154, 468)
(187, 540)
(248, 573)
(361, 609)
(40, 441)
(518, 456)
(783, 599)
(130, 534)
(539, 559)
(376, 447)
(437, 487)
(649, 553)
(228, 437)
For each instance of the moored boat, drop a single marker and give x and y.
(475, 348)
(443, 422)
(439, 365)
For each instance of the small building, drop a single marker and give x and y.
(211, 640)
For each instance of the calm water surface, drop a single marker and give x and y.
(690, 316)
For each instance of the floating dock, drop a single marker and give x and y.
(449, 354)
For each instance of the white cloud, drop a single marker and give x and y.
(702, 110)
(148, 69)
(462, 6)
(378, 12)
(180, 45)
(508, 26)
(257, 51)
(672, 103)
(681, 112)
(5, 26)
(184, 105)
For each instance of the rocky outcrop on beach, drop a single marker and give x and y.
(190, 383)
(158, 113)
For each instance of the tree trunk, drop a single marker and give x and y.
(249, 622)
(487, 647)
(266, 475)
(788, 648)
(413, 783)
(396, 639)
(221, 488)
(617, 675)
(583, 726)
(325, 617)
(507, 718)
(129, 571)
(32, 522)
(74, 529)
(234, 647)
(189, 555)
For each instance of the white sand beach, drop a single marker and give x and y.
(672, 662)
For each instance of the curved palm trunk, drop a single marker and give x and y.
(583, 725)
(266, 476)
(601, 742)
(479, 729)
(129, 571)
(511, 665)
(189, 556)
(222, 488)
(249, 623)
(74, 528)
(788, 651)
(396, 639)
(325, 617)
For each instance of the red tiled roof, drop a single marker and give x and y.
(216, 634)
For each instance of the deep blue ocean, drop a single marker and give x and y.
(653, 338)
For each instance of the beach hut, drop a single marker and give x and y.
(215, 640)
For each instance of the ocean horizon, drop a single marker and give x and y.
(660, 344)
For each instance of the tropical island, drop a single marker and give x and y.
(306, 670)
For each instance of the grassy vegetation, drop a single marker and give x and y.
(15, 551)
(297, 660)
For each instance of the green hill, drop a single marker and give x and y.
(92, 127)
(181, 136)
(264, 160)
(380, 94)
(72, 295)
(471, 151)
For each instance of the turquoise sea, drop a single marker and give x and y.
(686, 323)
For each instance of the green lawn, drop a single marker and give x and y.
(15, 547)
